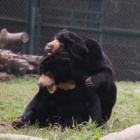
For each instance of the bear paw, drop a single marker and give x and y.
(18, 123)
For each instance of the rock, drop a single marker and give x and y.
(18, 137)
(131, 133)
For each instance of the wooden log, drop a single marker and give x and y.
(4, 76)
(16, 64)
(18, 137)
(7, 38)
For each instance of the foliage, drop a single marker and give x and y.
(16, 93)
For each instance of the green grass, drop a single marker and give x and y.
(16, 93)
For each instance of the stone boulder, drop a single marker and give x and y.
(131, 133)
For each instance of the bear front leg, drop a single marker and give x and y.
(35, 111)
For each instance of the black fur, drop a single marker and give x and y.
(68, 107)
(94, 62)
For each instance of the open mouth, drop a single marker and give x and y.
(48, 82)
(48, 48)
(51, 88)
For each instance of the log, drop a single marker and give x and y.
(4, 76)
(16, 64)
(7, 38)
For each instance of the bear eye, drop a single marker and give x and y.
(61, 44)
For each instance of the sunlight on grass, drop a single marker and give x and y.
(15, 95)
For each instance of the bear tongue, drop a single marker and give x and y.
(51, 88)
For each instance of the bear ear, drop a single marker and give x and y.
(45, 59)
(64, 30)
(62, 35)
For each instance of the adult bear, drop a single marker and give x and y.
(91, 59)
(63, 94)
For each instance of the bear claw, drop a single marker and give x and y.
(17, 123)
(89, 81)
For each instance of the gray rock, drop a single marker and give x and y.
(131, 133)
(18, 137)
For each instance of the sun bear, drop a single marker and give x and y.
(63, 96)
(90, 58)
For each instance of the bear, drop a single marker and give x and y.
(90, 58)
(63, 96)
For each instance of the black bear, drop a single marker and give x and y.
(93, 61)
(62, 97)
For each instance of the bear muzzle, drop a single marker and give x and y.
(49, 83)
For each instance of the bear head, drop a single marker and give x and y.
(67, 41)
(55, 72)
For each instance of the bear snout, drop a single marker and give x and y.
(40, 84)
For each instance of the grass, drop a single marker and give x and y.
(16, 93)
